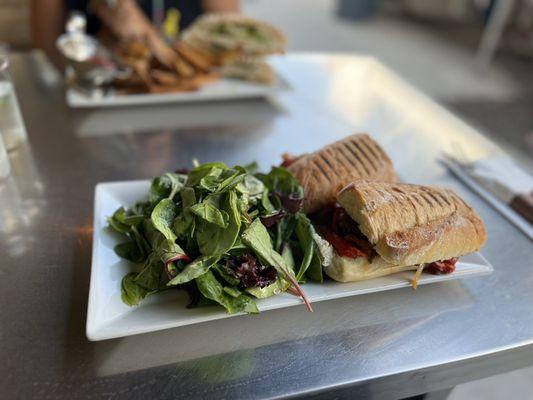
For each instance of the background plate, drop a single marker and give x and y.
(223, 89)
(108, 317)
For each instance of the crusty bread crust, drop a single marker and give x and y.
(412, 224)
(344, 269)
(203, 34)
(326, 171)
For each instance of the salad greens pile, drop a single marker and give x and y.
(224, 235)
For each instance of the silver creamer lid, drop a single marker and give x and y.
(77, 46)
(76, 23)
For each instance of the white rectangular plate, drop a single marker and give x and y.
(223, 89)
(109, 318)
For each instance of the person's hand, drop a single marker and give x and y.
(126, 21)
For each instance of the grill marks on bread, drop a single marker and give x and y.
(412, 224)
(326, 171)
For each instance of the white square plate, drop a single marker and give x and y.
(108, 317)
(223, 89)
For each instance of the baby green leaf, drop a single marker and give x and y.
(304, 232)
(257, 238)
(314, 272)
(193, 270)
(150, 276)
(166, 186)
(233, 292)
(215, 240)
(279, 286)
(129, 251)
(196, 175)
(212, 289)
(116, 221)
(168, 250)
(231, 179)
(210, 213)
(163, 216)
(131, 292)
(267, 204)
(224, 275)
(251, 186)
(281, 180)
(288, 256)
(183, 225)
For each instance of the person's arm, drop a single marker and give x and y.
(213, 6)
(47, 19)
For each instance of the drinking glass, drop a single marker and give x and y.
(12, 126)
(5, 167)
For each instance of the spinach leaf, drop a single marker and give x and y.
(140, 239)
(251, 168)
(251, 186)
(231, 179)
(163, 217)
(281, 180)
(257, 238)
(211, 181)
(304, 232)
(116, 221)
(288, 256)
(196, 175)
(211, 288)
(314, 272)
(267, 204)
(193, 270)
(188, 197)
(131, 292)
(284, 230)
(213, 239)
(184, 222)
(233, 292)
(279, 286)
(166, 186)
(130, 251)
(168, 250)
(210, 213)
(224, 275)
(150, 276)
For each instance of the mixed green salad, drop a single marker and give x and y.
(224, 235)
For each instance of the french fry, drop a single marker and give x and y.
(180, 87)
(198, 58)
(200, 80)
(164, 77)
(183, 68)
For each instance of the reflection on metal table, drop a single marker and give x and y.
(383, 345)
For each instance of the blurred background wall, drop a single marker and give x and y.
(14, 23)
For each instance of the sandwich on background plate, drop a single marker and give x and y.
(227, 35)
(380, 228)
(326, 171)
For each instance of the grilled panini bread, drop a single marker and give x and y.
(326, 171)
(249, 69)
(407, 225)
(225, 33)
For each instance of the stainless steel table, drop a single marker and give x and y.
(386, 345)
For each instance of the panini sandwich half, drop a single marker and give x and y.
(326, 171)
(380, 228)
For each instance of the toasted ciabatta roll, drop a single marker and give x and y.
(406, 225)
(326, 171)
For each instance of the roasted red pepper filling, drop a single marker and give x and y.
(342, 233)
(441, 267)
